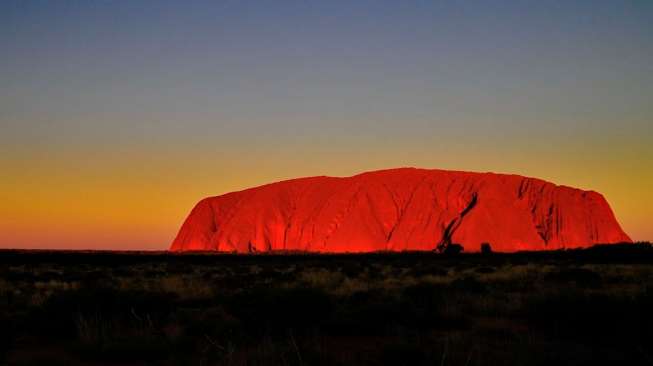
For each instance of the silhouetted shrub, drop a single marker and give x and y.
(468, 284)
(60, 315)
(423, 305)
(433, 270)
(364, 318)
(278, 309)
(453, 249)
(405, 352)
(581, 276)
(485, 270)
(6, 335)
(600, 317)
(486, 248)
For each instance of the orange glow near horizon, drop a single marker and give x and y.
(136, 201)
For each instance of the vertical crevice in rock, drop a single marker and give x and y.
(450, 229)
(340, 217)
(213, 229)
(403, 210)
(289, 219)
(543, 225)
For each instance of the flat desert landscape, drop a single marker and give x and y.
(574, 307)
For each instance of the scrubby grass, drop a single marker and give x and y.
(575, 307)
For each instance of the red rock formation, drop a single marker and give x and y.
(401, 209)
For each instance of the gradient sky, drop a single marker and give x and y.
(117, 116)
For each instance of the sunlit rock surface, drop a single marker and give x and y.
(401, 209)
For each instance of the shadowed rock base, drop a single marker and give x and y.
(401, 209)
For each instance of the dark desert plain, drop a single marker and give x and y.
(360, 182)
(575, 307)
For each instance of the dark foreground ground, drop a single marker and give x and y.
(590, 307)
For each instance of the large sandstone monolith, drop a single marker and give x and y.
(401, 209)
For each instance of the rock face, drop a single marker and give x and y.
(401, 209)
